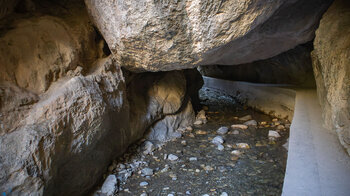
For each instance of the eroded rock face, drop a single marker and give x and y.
(291, 67)
(66, 139)
(331, 63)
(168, 35)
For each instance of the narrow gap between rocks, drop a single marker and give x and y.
(230, 150)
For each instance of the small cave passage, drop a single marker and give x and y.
(248, 162)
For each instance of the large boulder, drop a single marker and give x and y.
(292, 67)
(168, 35)
(331, 63)
(64, 141)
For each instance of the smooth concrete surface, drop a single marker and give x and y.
(317, 164)
(268, 98)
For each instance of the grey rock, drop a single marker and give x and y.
(190, 34)
(147, 171)
(251, 123)
(222, 130)
(143, 183)
(172, 157)
(193, 159)
(223, 194)
(220, 147)
(217, 140)
(109, 186)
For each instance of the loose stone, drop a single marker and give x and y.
(223, 194)
(274, 134)
(109, 186)
(245, 118)
(239, 126)
(280, 127)
(243, 145)
(193, 159)
(217, 140)
(189, 128)
(144, 194)
(172, 157)
(220, 147)
(235, 132)
(183, 142)
(201, 132)
(251, 123)
(222, 130)
(236, 152)
(143, 183)
(147, 171)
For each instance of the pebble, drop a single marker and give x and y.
(147, 171)
(243, 145)
(274, 120)
(239, 126)
(189, 128)
(183, 142)
(223, 194)
(280, 127)
(198, 122)
(274, 134)
(235, 132)
(222, 130)
(201, 132)
(236, 152)
(193, 159)
(109, 186)
(144, 194)
(143, 183)
(148, 147)
(205, 195)
(220, 147)
(188, 192)
(251, 123)
(172, 157)
(245, 118)
(217, 140)
(170, 194)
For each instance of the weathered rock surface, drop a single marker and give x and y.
(291, 67)
(168, 35)
(69, 136)
(331, 63)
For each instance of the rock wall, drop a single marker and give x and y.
(171, 35)
(331, 63)
(67, 110)
(292, 67)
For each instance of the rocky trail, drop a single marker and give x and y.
(238, 151)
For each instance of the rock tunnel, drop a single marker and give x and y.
(236, 97)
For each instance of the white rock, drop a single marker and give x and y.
(143, 183)
(144, 194)
(109, 186)
(170, 194)
(223, 194)
(243, 145)
(274, 134)
(222, 130)
(236, 152)
(188, 192)
(239, 126)
(193, 159)
(189, 128)
(220, 147)
(217, 140)
(198, 122)
(245, 118)
(251, 123)
(147, 171)
(148, 147)
(172, 157)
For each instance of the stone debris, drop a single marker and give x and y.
(189, 128)
(148, 147)
(144, 194)
(183, 142)
(236, 152)
(245, 118)
(222, 130)
(109, 186)
(235, 132)
(220, 147)
(147, 171)
(200, 118)
(217, 140)
(239, 126)
(193, 159)
(172, 157)
(143, 183)
(280, 127)
(243, 145)
(251, 123)
(201, 132)
(273, 134)
(223, 194)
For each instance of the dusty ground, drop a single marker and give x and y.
(203, 169)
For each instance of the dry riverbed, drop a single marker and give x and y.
(238, 151)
